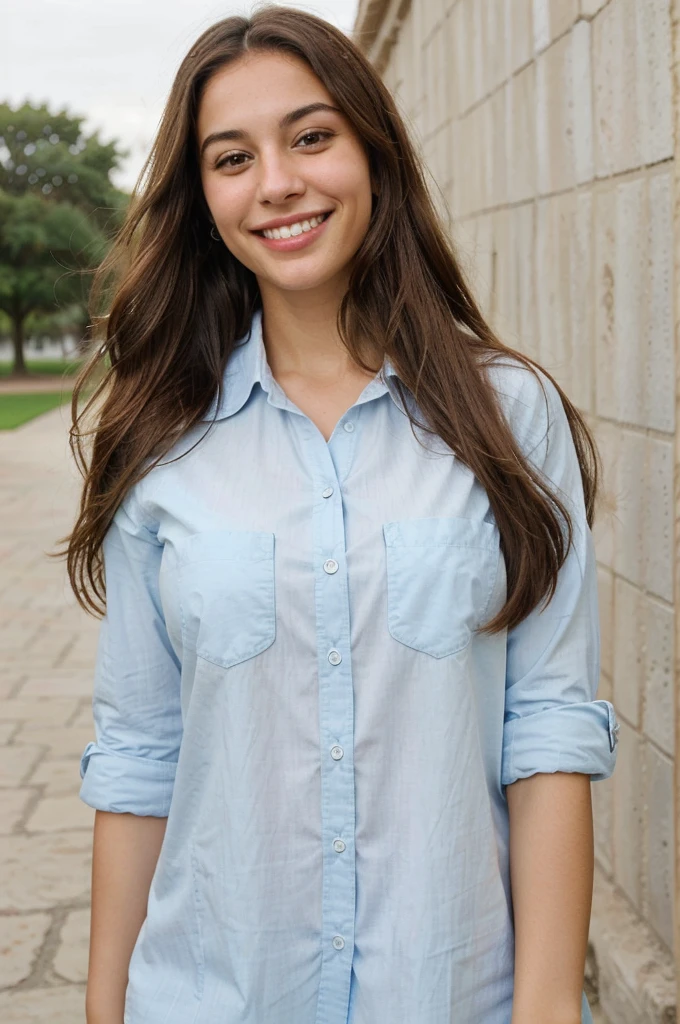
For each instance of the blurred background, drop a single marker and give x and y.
(549, 130)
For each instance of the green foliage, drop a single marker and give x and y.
(58, 212)
(40, 245)
(48, 155)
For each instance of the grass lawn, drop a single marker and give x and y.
(56, 366)
(18, 409)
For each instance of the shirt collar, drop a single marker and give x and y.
(247, 365)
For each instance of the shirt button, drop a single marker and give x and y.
(327, 493)
(338, 942)
(334, 657)
(330, 565)
(337, 753)
(338, 845)
(348, 426)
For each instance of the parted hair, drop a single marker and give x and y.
(168, 304)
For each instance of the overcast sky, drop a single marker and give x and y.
(113, 61)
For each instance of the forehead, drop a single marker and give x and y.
(256, 90)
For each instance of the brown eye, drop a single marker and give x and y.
(315, 137)
(227, 160)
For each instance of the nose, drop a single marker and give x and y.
(279, 178)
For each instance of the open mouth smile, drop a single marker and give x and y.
(294, 236)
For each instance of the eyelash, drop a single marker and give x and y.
(323, 136)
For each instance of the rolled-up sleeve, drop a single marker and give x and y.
(136, 693)
(552, 721)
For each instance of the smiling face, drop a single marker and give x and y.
(285, 176)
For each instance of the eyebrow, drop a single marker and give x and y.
(286, 121)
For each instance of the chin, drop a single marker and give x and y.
(301, 281)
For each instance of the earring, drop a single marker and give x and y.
(215, 237)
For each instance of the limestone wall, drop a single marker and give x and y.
(547, 126)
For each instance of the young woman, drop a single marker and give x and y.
(344, 699)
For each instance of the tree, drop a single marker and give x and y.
(58, 210)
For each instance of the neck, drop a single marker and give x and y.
(301, 337)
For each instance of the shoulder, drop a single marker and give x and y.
(141, 507)
(530, 402)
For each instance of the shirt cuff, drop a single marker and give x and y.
(566, 738)
(126, 784)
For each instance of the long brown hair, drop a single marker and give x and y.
(177, 302)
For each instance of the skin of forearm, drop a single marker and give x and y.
(551, 874)
(125, 852)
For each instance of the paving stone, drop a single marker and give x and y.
(69, 742)
(17, 762)
(13, 803)
(7, 730)
(9, 682)
(13, 639)
(60, 813)
(71, 684)
(63, 1004)
(43, 870)
(20, 940)
(84, 717)
(36, 711)
(71, 960)
(57, 776)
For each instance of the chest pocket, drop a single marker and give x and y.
(227, 594)
(440, 577)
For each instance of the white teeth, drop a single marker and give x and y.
(291, 230)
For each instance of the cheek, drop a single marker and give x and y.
(227, 202)
(356, 186)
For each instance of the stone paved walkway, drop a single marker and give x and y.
(47, 652)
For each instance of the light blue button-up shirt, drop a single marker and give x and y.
(289, 671)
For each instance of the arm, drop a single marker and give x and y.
(128, 773)
(557, 738)
(551, 868)
(125, 853)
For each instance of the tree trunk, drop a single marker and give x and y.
(19, 369)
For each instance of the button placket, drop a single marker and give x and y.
(336, 724)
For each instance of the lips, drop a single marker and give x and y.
(296, 227)
(292, 241)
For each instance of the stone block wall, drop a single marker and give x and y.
(548, 129)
